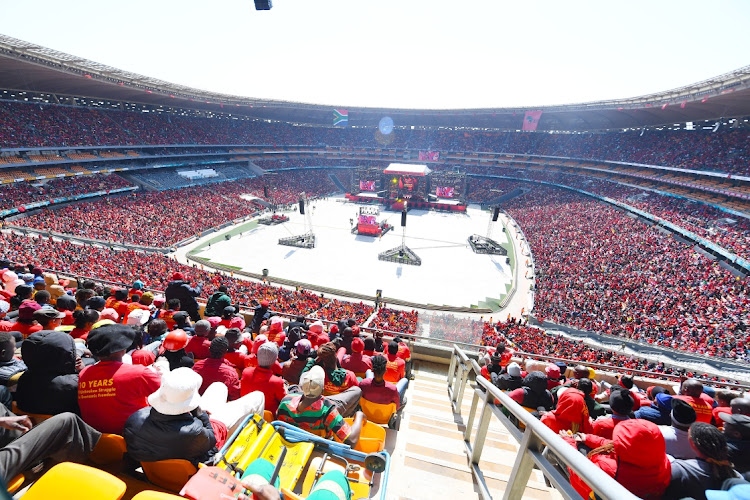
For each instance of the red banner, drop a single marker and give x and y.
(429, 155)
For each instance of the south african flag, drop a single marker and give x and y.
(340, 117)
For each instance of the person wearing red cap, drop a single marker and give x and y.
(174, 350)
(356, 361)
(26, 324)
(553, 376)
(180, 289)
(260, 314)
(317, 335)
(275, 332)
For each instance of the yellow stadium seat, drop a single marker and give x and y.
(378, 413)
(69, 480)
(36, 418)
(169, 474)
(109, 449)
(371, 439)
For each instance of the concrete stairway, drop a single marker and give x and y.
(428, 454)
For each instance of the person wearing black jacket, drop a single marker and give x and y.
(510, 380)
(50, 383)
(180, 289)
(260, 313)
(174, 426)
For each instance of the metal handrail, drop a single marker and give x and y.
(534, 442)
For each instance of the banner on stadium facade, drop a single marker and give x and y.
(429, 155)
(340, 117)
(531, 120)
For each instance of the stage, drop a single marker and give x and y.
(447, 205)
(450, 274)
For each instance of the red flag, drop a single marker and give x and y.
(664, 106)
(682, 104)
(531, 120)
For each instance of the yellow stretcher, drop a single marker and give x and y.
(291, 449)
(257, 439)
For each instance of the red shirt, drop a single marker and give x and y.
(218, 370)
(110, 391)
(356, 362)
(199, 346)
(25, 328)
(715, 414)
(167, 317)
(702, 408)
(237, 359)
(604, 427)
(68, 319)
(252, 361)
(263, 380)
(121, 308)
(403, 351)
(395, 368)
(383, 393)
(79, 333)
(350, 381)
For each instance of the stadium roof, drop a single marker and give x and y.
(30, 67)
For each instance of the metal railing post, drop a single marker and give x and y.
(460, 397)
(452, 368)
(472, 413)
(484, 424)
(523, 465)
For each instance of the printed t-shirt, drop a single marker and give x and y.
(110, 391)
(321, 415)
(330, 388)
(395, 369)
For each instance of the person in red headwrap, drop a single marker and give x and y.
(636, 458)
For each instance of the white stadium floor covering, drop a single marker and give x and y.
(450, 274)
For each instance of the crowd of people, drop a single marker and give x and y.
(149, 218)
(598, 269)
(336, 308)
(727, 230)
(31, 125)
(173, 383)
(22, 193)
(396, 320)
(671, 443)
(535, 341)
(151, 269)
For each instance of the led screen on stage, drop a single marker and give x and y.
(407, 183)
(445, 192)
(367, 185)
(368, 219)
